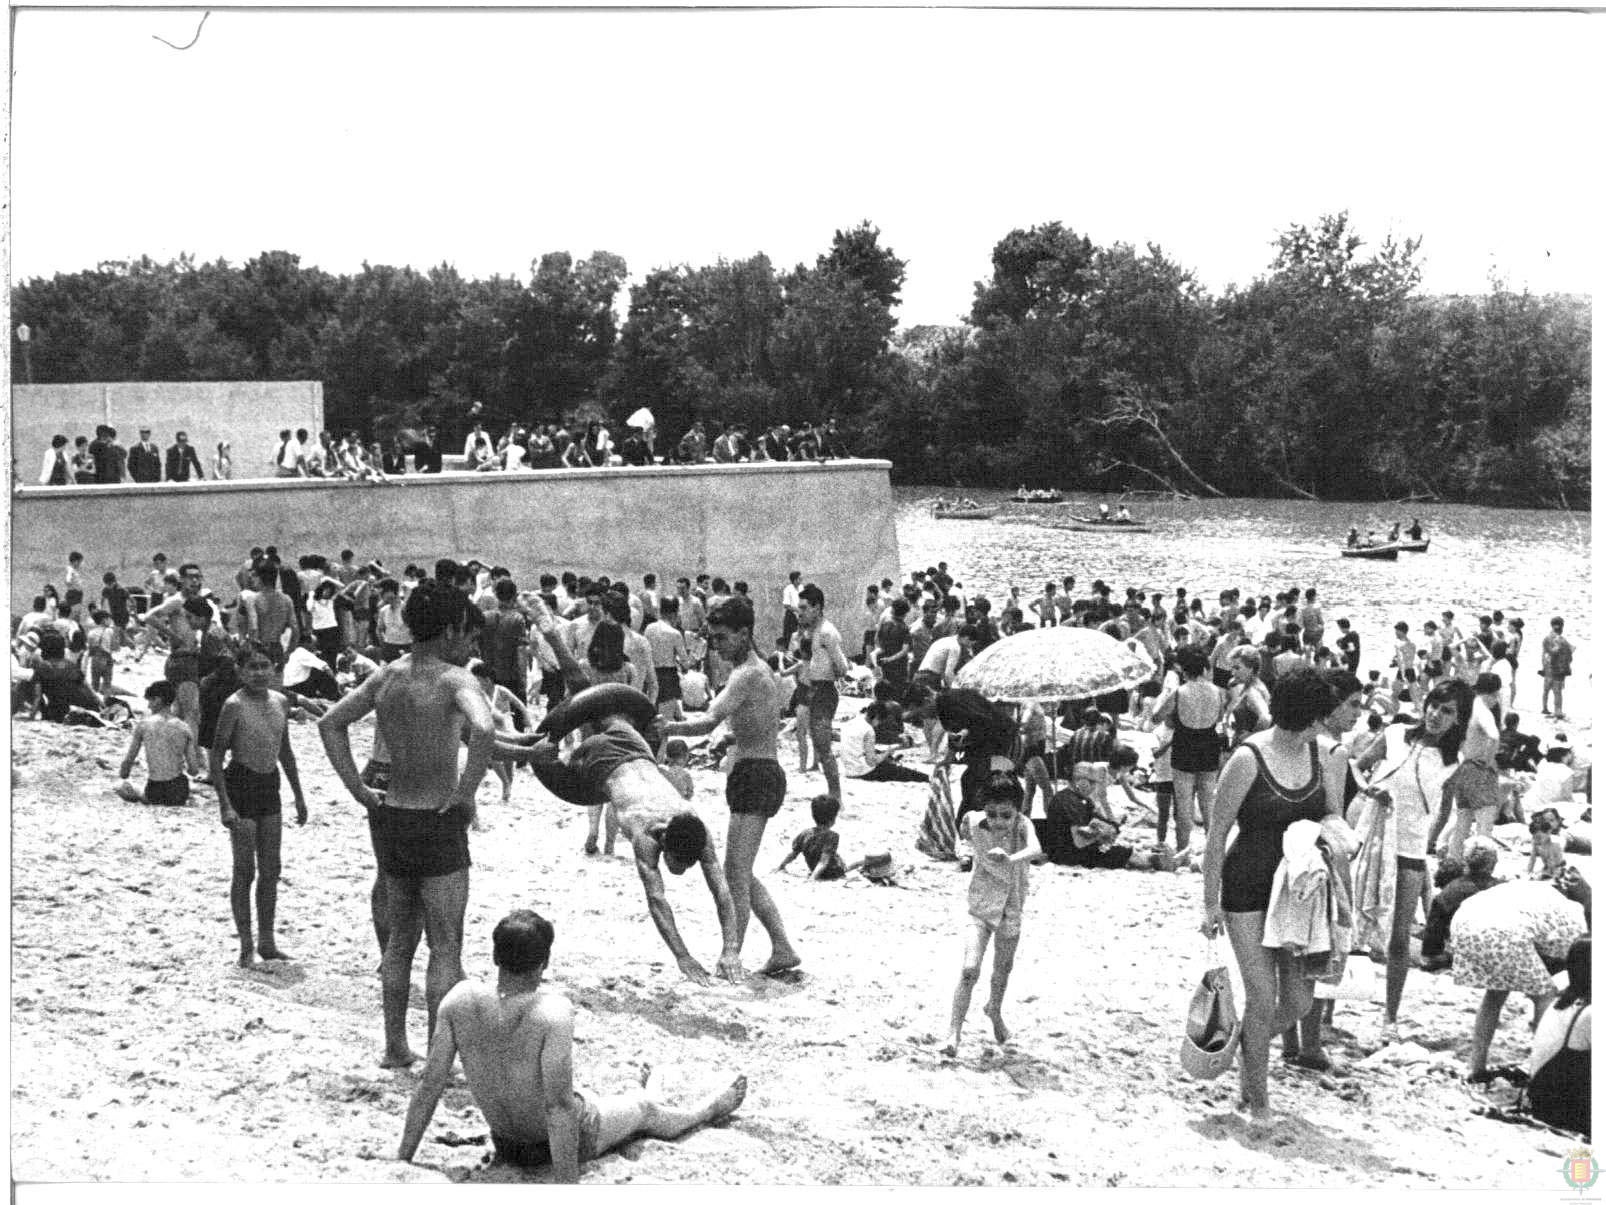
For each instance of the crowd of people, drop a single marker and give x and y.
(1254, 720)
(104, 461)
(593, 445)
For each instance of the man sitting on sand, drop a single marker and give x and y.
(615, 765)
(518, 1055)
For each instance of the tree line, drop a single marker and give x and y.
(1329, 376)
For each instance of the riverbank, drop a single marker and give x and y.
(140, 1052)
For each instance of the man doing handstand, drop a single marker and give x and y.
(517, 1043)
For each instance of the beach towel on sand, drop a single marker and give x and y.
(939, 835)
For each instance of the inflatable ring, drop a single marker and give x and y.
(594, 702)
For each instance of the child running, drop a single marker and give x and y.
(1003, 842)
(169, 746)
(504, 705)
(254, 727)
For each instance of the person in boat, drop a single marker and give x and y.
(1415, 530)
(1394, 533)
(1354, 540)
(1123, 515)
(941, 504)
(1371, 538)
(1104, 512)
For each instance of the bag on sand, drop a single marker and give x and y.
(939, 835)
(1359, 982)
(1210, 1037)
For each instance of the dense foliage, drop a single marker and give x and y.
(1079, 366)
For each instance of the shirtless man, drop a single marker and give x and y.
(615, 765)
(756, 786)
(254, 727)
(825, 663)
(422, 703)
(517, 1043)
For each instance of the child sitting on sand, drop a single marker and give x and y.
(1003, 842)
(676, 757)
(1549, 845)
(169, 746)
(818, 845)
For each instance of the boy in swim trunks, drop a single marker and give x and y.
(1003, 843)
(253, 731)
(517, 1044)
(756, 785)
(423, 703)
(169, 746)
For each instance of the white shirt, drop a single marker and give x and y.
(49, 465)
(943, 658)
(789, 597)
(857, 748)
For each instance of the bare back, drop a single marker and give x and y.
(419, 717)
(501, 1042)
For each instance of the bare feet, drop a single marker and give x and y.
(272, 953)
(727, 1101)
(399, 1058)
(248, 955)
(782, 958)
(952, 1048)
(1000, 1030)
(591, 845)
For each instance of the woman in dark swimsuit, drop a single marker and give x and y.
(1272, 780)
(1193, 711)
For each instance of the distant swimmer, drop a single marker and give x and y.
(517, 1043)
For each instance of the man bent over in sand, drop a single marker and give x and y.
(517, 1043)
(422, 702)
(616, 765)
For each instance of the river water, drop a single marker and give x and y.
(1533, 564)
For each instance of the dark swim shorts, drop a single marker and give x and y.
(822, 702)
(597, 757)
(410, 843)
(539, 1153)
(668, 683)
(170, 792)
(756, 786)
(253, 796)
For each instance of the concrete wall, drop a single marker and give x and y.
(754, 522)
(249, 414)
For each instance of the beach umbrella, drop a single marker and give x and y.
(1050, 664)
(641, 418)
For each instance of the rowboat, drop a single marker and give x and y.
(1375, 552)
(965, 512)
(1414, 545)
(1046, 498)
(1108, 528)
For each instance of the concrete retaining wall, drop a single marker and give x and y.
(753, 522)
(249, 414)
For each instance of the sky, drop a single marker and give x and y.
(487, 138)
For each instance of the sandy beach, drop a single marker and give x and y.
(140, 1051)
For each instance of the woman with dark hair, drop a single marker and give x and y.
(1248, 700)
(1271, 780)
(1558, 1067)
(1412, 771)
(1194, 710)
(597, 447)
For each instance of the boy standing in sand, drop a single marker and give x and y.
(254, 728)
(169, 745)
(1003, 843)
(756, 785)
(517, 1043)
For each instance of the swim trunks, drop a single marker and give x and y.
(170, 792)
(538, 1153)
(410, 843)
(822, 702)
(599, 756)
(253, 796)
(756, 786)
(668, 684)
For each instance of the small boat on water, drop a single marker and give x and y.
(963, 512)
(1040, 497)
(1111, 528)
(1373, 552)
(1414, 545)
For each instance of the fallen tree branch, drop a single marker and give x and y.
(1127, 410)
(1115, 462)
